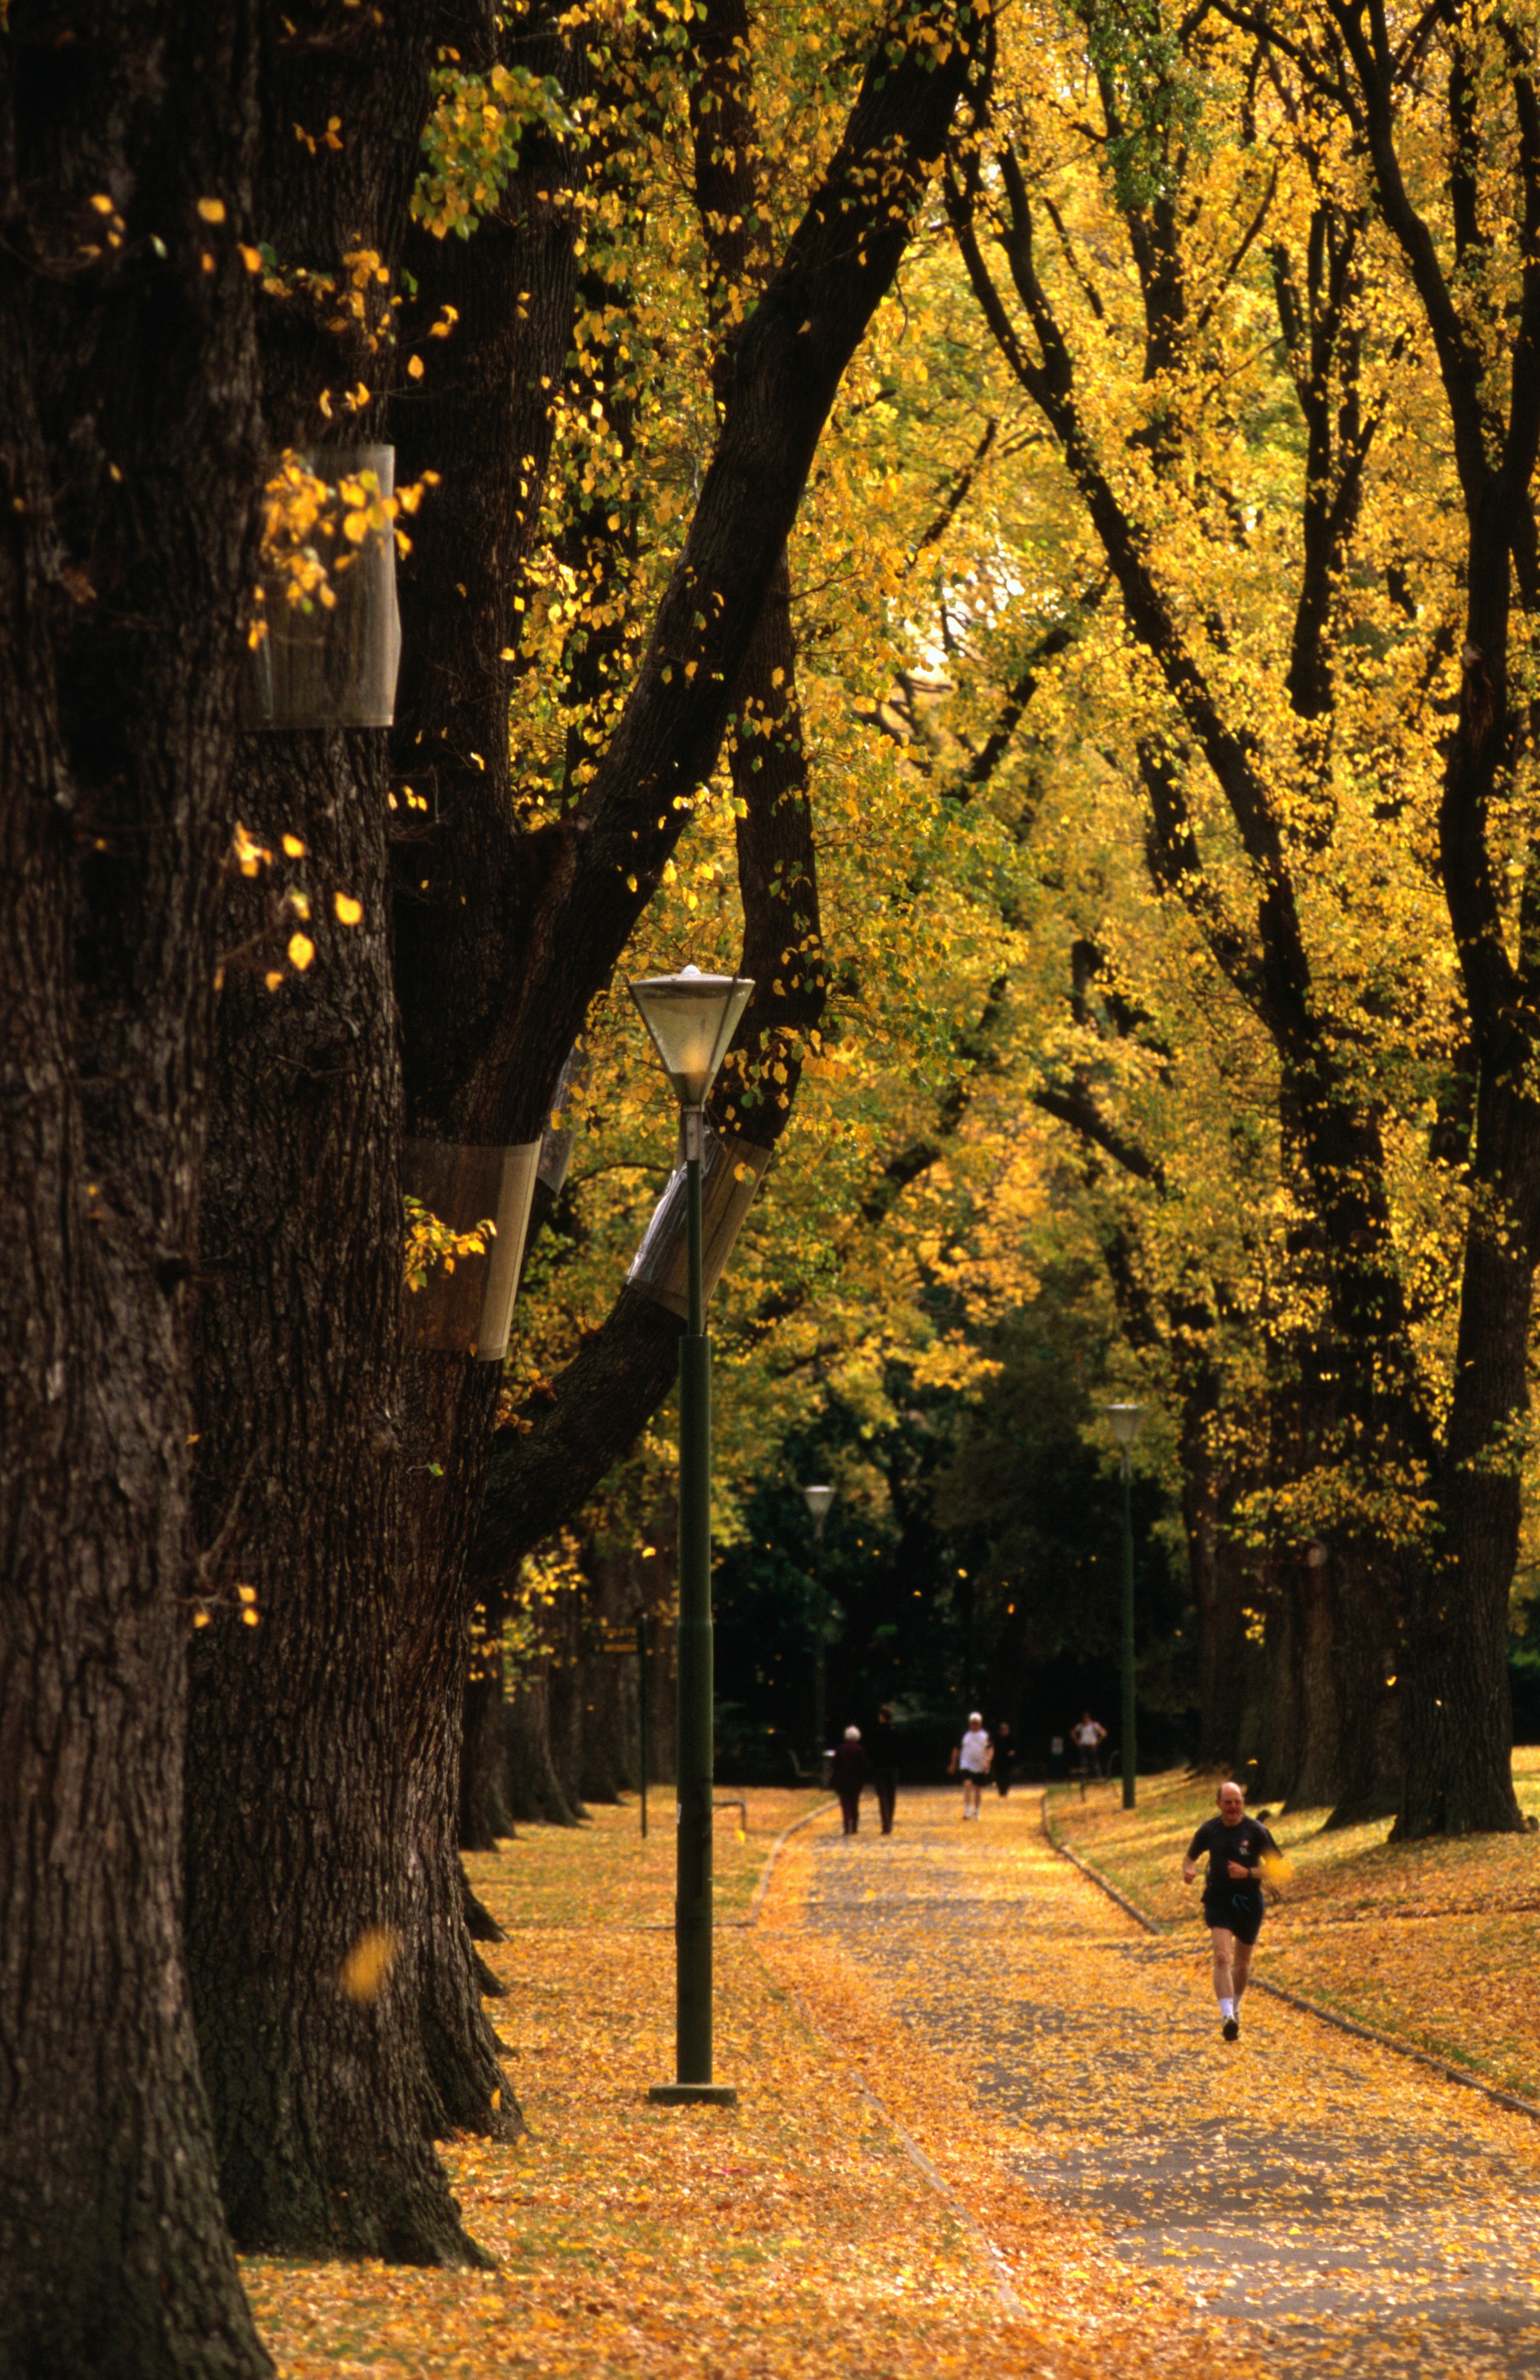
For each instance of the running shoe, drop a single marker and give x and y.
(1232, 2028)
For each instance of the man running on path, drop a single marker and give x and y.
(1235, 1846)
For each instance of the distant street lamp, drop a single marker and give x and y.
(819, 1502)
(1124, 1422)
(692, 1017)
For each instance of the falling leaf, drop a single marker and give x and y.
(367, 1963)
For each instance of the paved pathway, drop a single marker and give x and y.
(1367, 2216)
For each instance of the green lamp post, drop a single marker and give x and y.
(1123, 1421)
(819, 1502)
(692, 1017)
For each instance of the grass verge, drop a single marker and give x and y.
(1431, 1942)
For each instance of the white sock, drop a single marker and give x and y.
(1227, 2009)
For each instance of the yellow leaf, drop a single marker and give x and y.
(301, 951)
(367, 1963)
(212, 209)
(415, 368)
(294, 847)
(274, 977)
(349, 910)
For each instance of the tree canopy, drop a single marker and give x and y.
(1016, 531)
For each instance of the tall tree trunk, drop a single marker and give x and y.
(486, 1817)
(1460, 1713)
(299, 1900)
(537, 1790)
(1353, 1605)
(303, 1904)
(129, 462)
(619, 1576)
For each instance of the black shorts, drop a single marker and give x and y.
(1239, 1911)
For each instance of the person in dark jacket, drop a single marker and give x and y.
(850, 1773)
(1005, 1759)
(884, 1766)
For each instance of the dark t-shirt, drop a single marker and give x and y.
(1245, 1843)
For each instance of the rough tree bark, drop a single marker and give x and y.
(129, 464)
(301, 1895)
(535, 1788)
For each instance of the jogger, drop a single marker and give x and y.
(1235, 1846)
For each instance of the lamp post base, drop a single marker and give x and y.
(694, 2095)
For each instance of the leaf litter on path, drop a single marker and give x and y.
(1308, 2202)
(1354, 2213)
(791, 2237)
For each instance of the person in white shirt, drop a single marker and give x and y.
(1088, 1735)
(971, 1763)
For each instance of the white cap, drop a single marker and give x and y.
(852, 1735)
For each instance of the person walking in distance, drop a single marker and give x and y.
(1235, 1846)
(849, 1776)
(971, 1762)
(1088, 1735)
(1005, 1759)
(883, 1754)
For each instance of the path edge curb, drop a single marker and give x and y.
(1444, 2066)
(1000, 2269)
(773, 1854)
(1065, 1851)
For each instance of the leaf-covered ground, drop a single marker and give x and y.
(1087, 2181)
(1432, 1942)
(1343, 2210)
(792, 2235)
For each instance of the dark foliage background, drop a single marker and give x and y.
(986, 1576)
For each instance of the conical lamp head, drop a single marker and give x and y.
(819, 1500)
(1124, 1422)
(692, 1017)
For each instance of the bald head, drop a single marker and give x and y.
(1231, 1799)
